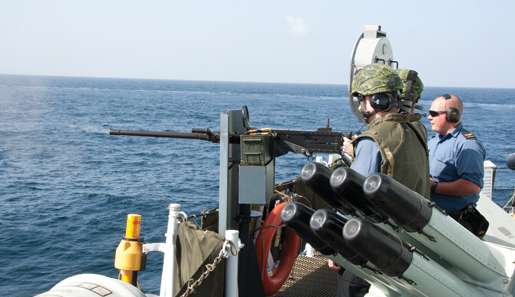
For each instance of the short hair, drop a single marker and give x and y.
(453, 100)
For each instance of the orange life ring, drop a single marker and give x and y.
(274, 281)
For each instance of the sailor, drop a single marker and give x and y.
(411, 92)
(412, 88)
(456, 159)
(394, 143)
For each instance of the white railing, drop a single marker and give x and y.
(230, 250)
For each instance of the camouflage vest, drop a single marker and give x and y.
(402, 142)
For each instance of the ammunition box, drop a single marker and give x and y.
(256, 150)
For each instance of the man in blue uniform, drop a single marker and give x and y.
(455, 158)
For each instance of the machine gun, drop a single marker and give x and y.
(322, 140)
(257, 150)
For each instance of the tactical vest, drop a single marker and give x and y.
(402, 142)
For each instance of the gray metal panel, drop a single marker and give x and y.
(256, 184)
(231, 122)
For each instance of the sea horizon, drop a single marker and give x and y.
(230, 81)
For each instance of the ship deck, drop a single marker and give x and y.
(310, 277)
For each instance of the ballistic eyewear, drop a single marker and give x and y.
(435, 113)
(375, 97)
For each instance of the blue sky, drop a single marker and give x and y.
(450, 43)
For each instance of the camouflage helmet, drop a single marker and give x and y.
(375, 78)
(416, 88)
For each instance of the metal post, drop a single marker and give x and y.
(231, 268)
(167, 276)
(488, 179)
(231, 122)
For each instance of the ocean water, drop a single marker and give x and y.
(66, 186)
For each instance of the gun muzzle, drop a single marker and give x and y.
(316, 177)
(348, 185)
(382, 249)
(328, 226)
(296, 216)
(405, 207)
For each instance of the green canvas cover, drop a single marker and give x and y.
(195, 249)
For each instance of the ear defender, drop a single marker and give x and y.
(452, 115)
(382, 101)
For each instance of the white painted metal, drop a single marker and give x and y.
(371, 47)
(502, 225)
(461, 248)
(375, 292)
(167, 276)
(390, 287)
(92, 285)
(309, 250)
(433, 280)
(231, 268)
(488, 179)
(154, 247)
(327, 160)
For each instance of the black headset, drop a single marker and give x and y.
(452, 114)
(383, 101)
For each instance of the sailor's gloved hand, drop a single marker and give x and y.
(347, 151)
(348, 147)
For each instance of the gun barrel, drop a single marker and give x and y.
(204, 134)
(300, 142)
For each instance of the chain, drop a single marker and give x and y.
(227, 248)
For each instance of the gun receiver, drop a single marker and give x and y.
(323, 140)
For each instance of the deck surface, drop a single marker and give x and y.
(310, 277)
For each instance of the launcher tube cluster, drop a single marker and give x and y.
(382, 227)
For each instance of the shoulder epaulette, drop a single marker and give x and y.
(468, 134)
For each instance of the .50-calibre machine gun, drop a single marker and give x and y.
(322, 140)
(257, 149)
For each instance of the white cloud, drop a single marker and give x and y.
(297, 25)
